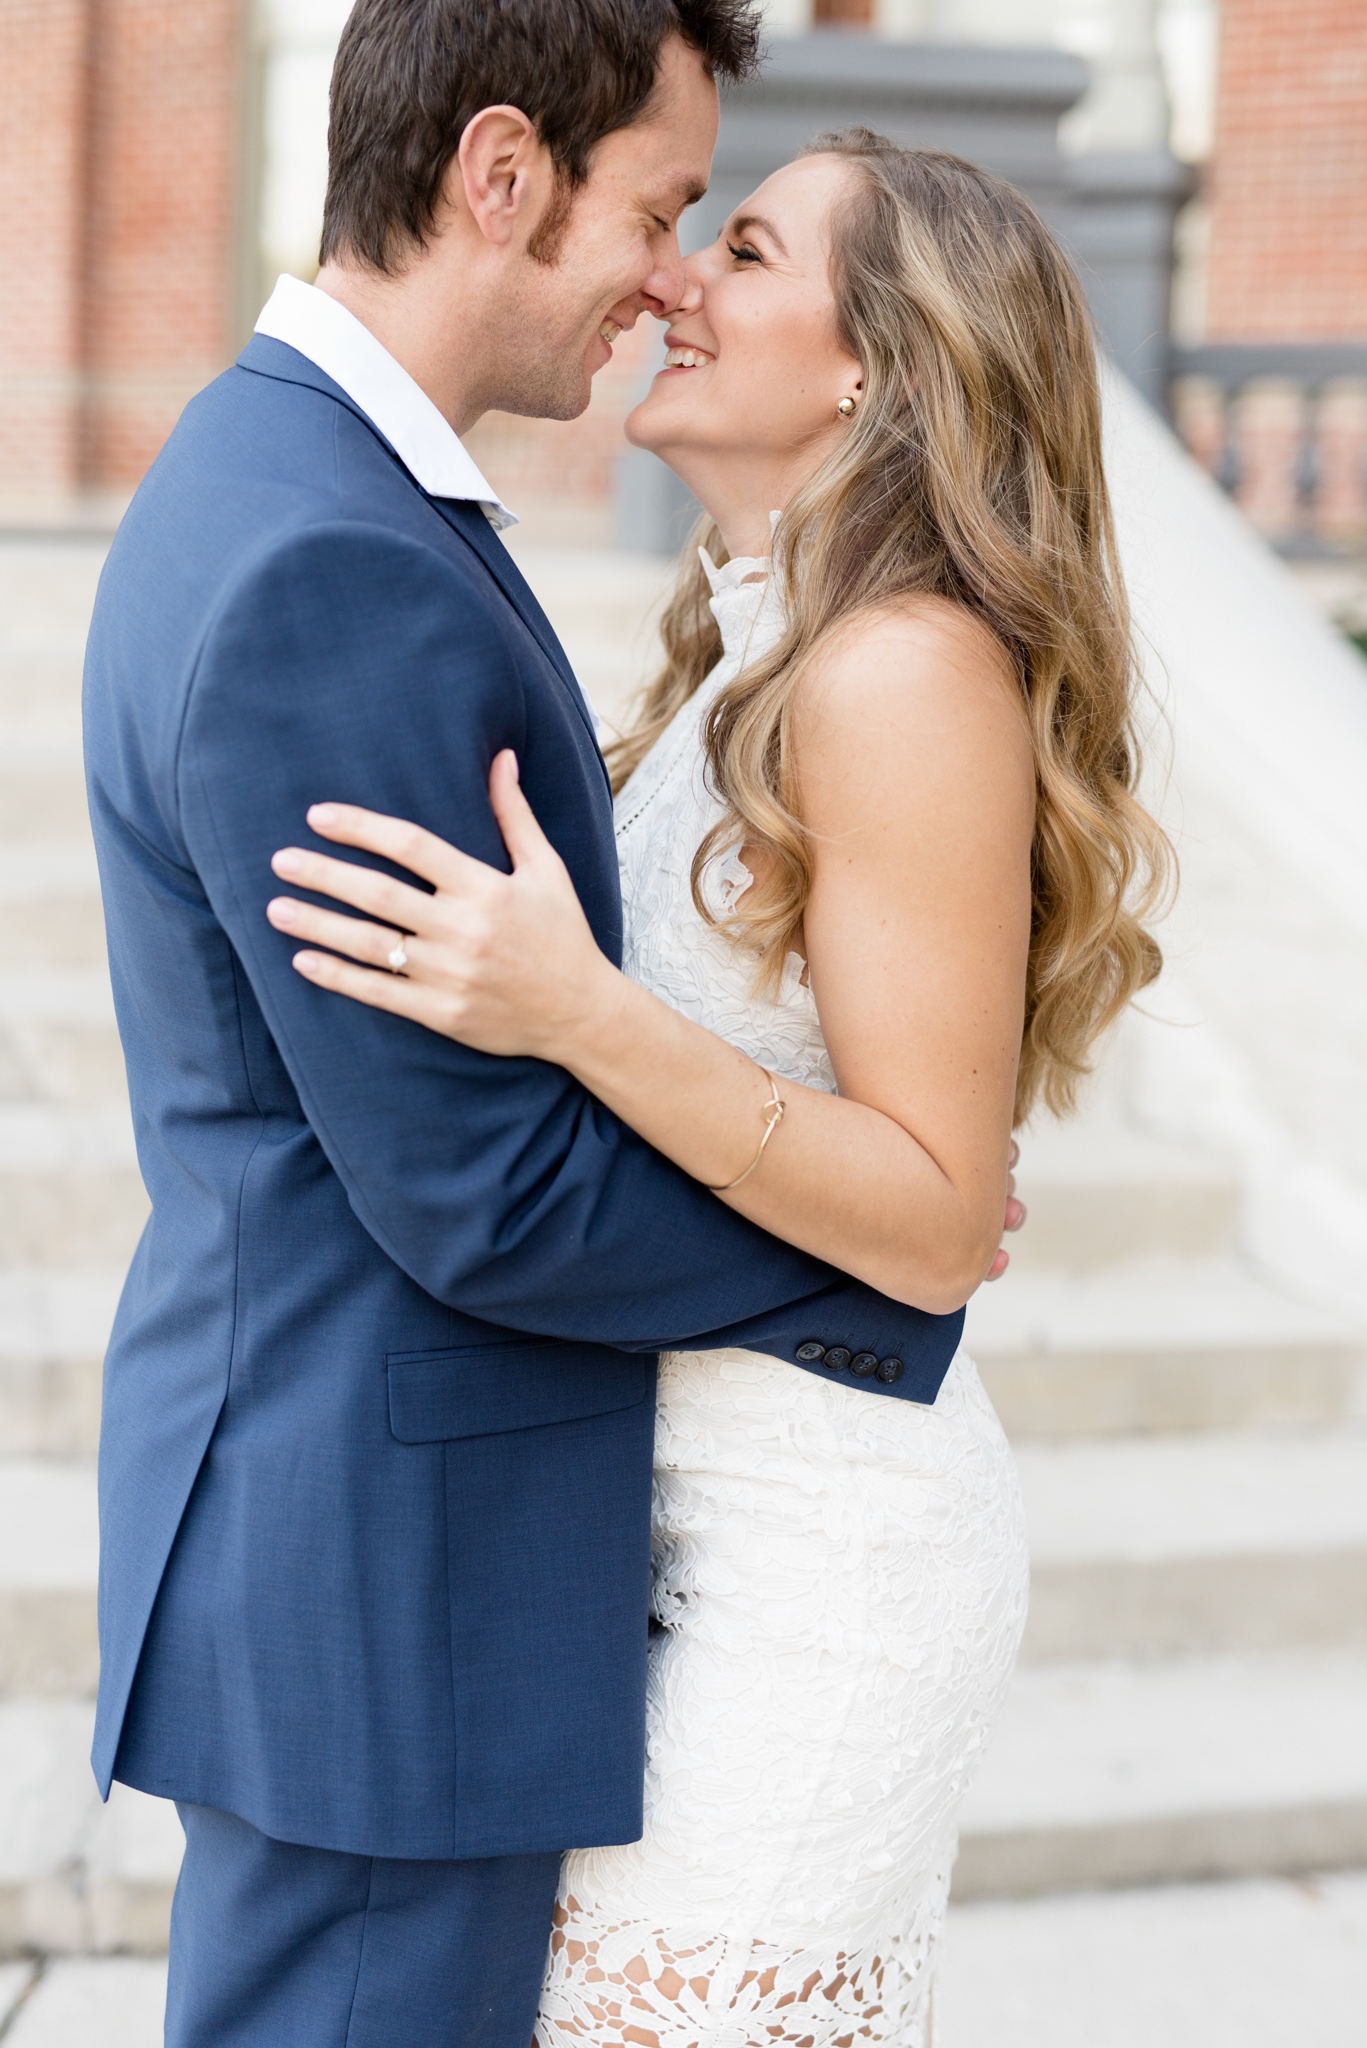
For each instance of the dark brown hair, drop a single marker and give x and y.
(411, 74)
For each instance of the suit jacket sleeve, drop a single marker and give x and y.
(357, 665)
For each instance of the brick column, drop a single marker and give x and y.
(1288, 248)
(44, 48)
(118, 170)
(1288, 258)
(162, 227)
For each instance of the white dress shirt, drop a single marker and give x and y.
(337, 342)
(426, 443)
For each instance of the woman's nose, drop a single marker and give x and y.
(691, 293)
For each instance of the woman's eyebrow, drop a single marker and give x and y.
(743, 221)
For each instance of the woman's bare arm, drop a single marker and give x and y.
(916, 781)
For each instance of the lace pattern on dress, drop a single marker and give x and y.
(635, 1987)
(663, 813)
(838, 1583)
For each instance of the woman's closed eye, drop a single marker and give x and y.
(745, 253)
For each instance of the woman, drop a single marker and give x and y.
(880, 864)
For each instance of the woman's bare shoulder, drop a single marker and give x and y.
(914, 667)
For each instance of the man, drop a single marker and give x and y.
(375, 1472)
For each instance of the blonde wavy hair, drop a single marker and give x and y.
(972, 470)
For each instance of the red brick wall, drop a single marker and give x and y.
(42, 172)
(118, 144)
(843, 13)
(162, 220)
(1288, 255)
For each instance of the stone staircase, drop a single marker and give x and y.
(1194, 1683)
(73, 1875)
(1192, 1696)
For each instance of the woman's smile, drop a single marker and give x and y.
(761, 296)
(685, 355)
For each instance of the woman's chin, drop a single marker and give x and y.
(663, 420)
(641, 427)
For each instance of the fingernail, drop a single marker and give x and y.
(281, 911)
(308, 963)
(287, 862)
(322, 814)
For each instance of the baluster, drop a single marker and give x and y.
(1341, 442)
(1271, 424)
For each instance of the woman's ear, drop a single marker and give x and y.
(498, 172)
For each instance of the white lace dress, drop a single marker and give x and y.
(841, 1580)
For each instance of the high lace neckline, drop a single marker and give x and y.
(744, 594)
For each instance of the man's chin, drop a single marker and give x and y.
(553, 402)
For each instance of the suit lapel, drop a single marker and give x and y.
(472, 526)
(266, 357)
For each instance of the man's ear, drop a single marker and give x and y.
(502, 171)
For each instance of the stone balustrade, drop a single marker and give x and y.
(1283, 428)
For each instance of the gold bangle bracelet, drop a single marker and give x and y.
(773, 1117)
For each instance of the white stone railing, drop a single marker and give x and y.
(1283, 429)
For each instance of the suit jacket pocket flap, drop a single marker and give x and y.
(496, 1387)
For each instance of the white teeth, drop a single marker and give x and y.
(609, 331)
(686, 358)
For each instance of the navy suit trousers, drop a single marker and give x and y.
(274, 1944)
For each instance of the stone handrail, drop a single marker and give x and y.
(1282, 427)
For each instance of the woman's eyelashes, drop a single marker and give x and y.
(745, 254)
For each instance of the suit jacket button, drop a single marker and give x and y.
(837, 1358)
(889, 1369)
(863, 1363)
(811, 1353)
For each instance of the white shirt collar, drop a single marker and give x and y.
(336, 341)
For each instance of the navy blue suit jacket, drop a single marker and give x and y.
(375, 1466)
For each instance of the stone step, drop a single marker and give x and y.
(1099, 1774)
(1254, 1963)
(50, 1406)
(88, 2002)
(40, 703)
(51, 1218)
(41, 1137)
(49, 1559)
(50, 910)
(1099, 1191)
(1177, 1546)
(1157, 1345)
(54, 1324)
(1108, 1774)
(16, 1980)
(43, 802)
(47, 591)
(1160, 1548)
(58, 1038)
(75, 1875)
(70, 1190)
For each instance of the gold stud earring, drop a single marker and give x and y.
(845, 408)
